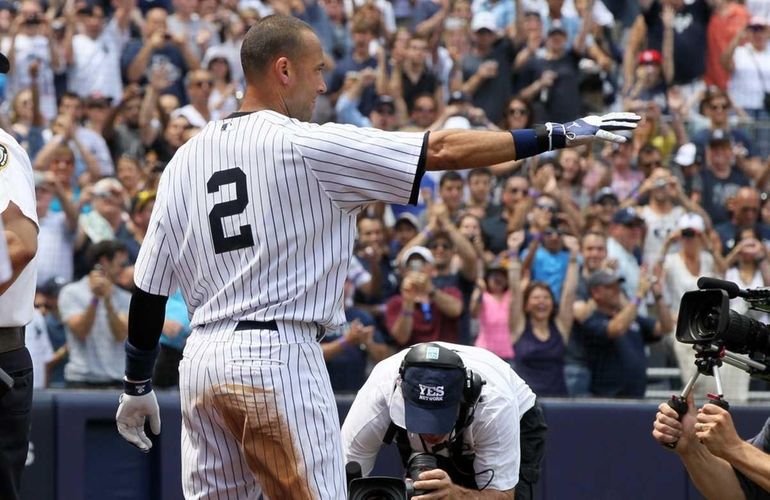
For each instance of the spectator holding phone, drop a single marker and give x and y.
(423, 312)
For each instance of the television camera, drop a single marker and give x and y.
(720, 335)
(388, 488)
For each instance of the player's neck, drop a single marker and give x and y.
(254, 102)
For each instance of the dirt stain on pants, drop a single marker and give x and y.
(252, 416)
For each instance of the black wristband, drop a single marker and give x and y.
(139, 362)
(137, 388)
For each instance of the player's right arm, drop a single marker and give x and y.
(155, 281)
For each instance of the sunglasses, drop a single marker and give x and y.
(203, 83)
(518, 112)
(719, 107)
(424, 110)
(544, 206)
(515, 190)
(553, 232)
(749, 209)
(443, 246)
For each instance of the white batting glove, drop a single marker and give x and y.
(591, 128)
(131, 415)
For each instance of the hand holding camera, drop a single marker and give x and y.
(100, 284)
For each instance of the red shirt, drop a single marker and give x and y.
(440, 327)
(721, 30)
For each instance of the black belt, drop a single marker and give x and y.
(11, 338)
(271, 325)
(257, 325)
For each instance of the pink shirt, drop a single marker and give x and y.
(494, 333)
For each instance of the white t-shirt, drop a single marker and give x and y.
(680, 280)
(493, 435)
(741, 306)
(751, 78)
(658, 228)
(29, 49)
(96, 68)
(18, 186)
(39, 347)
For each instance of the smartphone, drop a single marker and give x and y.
(416, 265)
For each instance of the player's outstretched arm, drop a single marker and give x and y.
(138, 402)
(460, 149)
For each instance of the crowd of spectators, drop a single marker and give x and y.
(569, 266)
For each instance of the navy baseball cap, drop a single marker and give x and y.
(626, 216)
(432, 385)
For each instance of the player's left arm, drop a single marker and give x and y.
(21, 237)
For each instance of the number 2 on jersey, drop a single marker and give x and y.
(244, 238)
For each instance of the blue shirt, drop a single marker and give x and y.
(550, 268)
(618, 365)
(176, 310)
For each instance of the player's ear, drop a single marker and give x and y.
(282, 69)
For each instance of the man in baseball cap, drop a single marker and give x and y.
(461, 404)
(432, 385)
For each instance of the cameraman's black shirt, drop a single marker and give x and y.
(750, 489)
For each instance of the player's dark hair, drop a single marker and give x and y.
(479, 172)
(270, 38)
(449, 176)
(105, 248)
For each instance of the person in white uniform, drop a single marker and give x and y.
(462, 404)
(17, 295)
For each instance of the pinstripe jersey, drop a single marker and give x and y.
(255, 215)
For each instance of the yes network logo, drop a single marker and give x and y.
(431, 392)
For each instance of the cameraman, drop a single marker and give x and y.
(718, 461)
(462, 404)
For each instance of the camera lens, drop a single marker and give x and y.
(707, 322)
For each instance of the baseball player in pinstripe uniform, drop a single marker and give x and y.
(255, 221)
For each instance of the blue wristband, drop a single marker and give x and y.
(137, 388)
(139, 362)
(528, 142)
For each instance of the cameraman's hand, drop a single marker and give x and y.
(715, 429)
(438, 482)
(668, 429)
